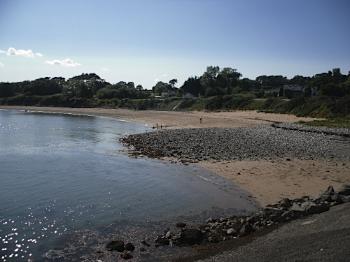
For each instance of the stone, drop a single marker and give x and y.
(116, 245)
(162, 241)
(168, 235)
(326, 196)
(214, 238)
(126, 255)
(180, 224)
(245, 230)
(285, 203)
(129, 247)
(144, 242)
(345, 191)
(190, 236)
(313, 208)
(345, 199)
(230, 231)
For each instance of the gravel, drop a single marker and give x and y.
(263, 142)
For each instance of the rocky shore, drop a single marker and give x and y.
(235, 227)
(263, 142)
(345, 132)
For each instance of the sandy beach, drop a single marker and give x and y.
(174, 119)
(266, 180)
(270, 181)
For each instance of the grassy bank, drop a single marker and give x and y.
(334, 108)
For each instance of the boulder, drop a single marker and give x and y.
(162, 241)
(168, 235)
(345, 199)
(190, 236)
(285, 203)
(116, 245)
(246, 229)
(345, 191)
(180, 224)
(327, 195)
(129, 247)
(230, 231)
(309, 208)
(316, 209)
(144, 242)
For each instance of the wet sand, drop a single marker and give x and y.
(270, 181)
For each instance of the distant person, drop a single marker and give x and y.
(200, 120)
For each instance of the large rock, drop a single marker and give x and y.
(180, 224)
(162, 241)
(308, 208)
(345, 191)
(327, 195)
(190, 236)
(246, 229)
(285, 203)
(129, 247)
(116, 245)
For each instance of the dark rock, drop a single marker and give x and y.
(345, 199)
(144, 242)
(246, 229)
(345, 191)
(285, 203)
(116, 245)
(129, 247)
(316, 209)
(180, 224)
(126, 255)
(142, 249)
(327, 195)
(162, 241)
(214, 238)
(190, 236)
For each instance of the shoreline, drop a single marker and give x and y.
(175, 119)
(268, 181)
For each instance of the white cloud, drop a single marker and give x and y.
(64, 62)
(1, 64)
(2, 51)
(21, 52)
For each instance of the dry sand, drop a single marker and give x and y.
(267, 181)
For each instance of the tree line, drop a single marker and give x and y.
(215, 81)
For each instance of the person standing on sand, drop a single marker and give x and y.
(200, 120)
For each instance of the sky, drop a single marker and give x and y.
(146, 41)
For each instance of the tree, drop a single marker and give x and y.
(173, 82)
(192, 86)
(6, 90)
(161, 87)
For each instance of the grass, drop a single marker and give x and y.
(334, 122)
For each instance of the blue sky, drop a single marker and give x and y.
(149, 40)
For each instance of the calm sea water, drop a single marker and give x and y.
(60, 173)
